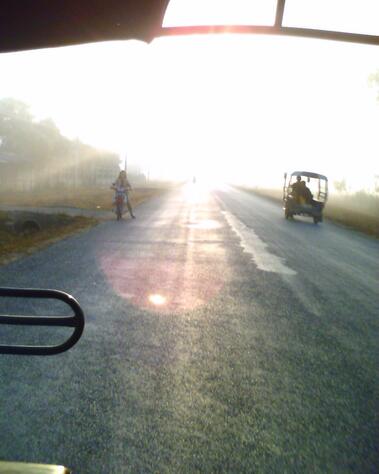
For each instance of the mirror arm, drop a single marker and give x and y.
(76, 321)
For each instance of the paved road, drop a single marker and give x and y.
(219, 337)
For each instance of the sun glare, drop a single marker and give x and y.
(157, 300)
(222, 108)
(220, 12)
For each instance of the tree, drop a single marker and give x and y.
(374, 80)
(38, 152)
(19, 134)
(376, 183)
(16, 109)
(340, 186)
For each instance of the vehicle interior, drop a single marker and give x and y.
(180, 364)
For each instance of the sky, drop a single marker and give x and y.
(230, 107)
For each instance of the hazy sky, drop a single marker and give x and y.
(230, 107)
(355, 16)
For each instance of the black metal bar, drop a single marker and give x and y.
(64, 321)
(279, 13)
(76, 321)
(269, 30)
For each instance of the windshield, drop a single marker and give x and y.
(225, 330)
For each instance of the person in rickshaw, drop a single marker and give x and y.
(305, 193)
(301, 193)
(296, 189)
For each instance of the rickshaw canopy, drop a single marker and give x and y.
(309, 174)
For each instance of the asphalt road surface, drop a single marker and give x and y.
(219, 337)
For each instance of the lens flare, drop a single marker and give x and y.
(157, 300)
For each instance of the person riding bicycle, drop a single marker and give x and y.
(122, 185)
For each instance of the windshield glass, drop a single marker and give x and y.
(226, 329)
(215, 105)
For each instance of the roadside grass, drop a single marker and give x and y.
(83, 198)
(359, 211)
(13, 245)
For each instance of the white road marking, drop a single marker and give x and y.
(253, 245)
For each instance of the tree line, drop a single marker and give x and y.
(35, 153)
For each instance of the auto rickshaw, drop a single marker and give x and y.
(305, 193)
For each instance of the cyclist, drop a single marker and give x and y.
(122, 185)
